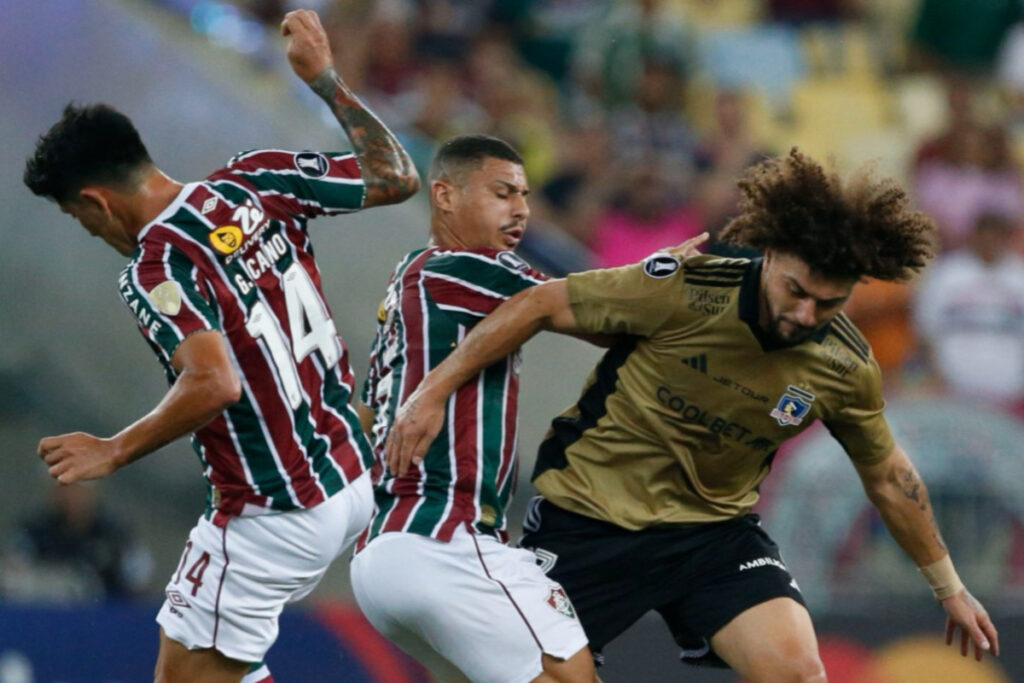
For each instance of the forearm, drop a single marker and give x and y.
(903, 503)
(502, 332)
(388, 171)
(194, 400)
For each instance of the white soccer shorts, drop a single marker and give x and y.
(232, 582)
(484, 606)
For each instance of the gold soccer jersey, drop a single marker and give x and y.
(681, 418)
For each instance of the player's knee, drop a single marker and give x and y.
(800, 667)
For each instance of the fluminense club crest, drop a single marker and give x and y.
(560, 602)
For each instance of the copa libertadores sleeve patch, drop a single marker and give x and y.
(659, 265)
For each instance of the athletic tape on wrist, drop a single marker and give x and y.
(942, 577)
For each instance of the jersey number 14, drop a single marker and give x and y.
(310, 326)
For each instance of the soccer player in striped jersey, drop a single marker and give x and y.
(224, 287)
(433, 565)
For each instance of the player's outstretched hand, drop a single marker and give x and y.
(77, 457)
(689, 247)
(965, 613)
(308, 49)
(416, 425)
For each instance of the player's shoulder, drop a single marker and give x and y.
(482, 261)
(709, 270)
(308, 163)
(848, 337)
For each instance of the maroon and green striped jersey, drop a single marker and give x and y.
(232, 253)
(469, 473)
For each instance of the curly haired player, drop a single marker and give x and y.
(647, 483)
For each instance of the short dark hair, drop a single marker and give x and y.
(91, 144)
(842, 231)
(470, 149)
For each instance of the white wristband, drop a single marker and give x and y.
(942, 577)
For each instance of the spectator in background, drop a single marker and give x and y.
(652, 125)
(966, 170)
(962, 34)
(611, 54)
(882, 312)
(648, 214)
(802, 11)
(729, 149)
(970, 315)
(72, 550)
(520, 103)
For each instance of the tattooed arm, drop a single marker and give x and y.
(388, 172)
(896, 490)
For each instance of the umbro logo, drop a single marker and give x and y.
(698, 362)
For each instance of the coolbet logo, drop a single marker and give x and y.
(226, 239)
(792, 406)
(660, 265)
(560, 602)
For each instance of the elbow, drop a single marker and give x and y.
(229, 391)
(218, 390)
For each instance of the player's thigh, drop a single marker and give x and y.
(604, 570)
(482, 605)
(232, 582)
(176, 663)
(772, 641)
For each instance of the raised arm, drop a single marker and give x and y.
(418, 421)
(207, 384)
(896, 490)
(388, 171)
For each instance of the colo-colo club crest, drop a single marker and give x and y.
(793, 406)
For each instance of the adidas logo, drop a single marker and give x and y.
(698, 362)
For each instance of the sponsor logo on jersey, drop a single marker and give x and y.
(701, 300)
(659, 265)
(209, 205)
(741, 388)
(488, 515)
(511, 261)
(698, 363)
(166, 296)
(793, 406)
(559, 601)
(695, 414)
(226, 239)
(311, 164)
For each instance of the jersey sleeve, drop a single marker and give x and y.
(635, 299)
(164, 292)
(860, 426)
(307, 183)
(471, 284)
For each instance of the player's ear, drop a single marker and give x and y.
(95, 197)
(442, 195)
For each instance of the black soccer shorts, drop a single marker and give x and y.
(697, 576)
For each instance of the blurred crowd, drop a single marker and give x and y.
(636, 117)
